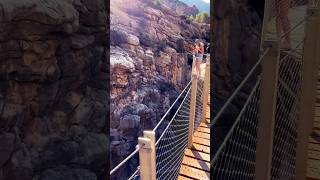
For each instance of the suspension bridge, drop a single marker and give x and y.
(270, 136)
(178, 147)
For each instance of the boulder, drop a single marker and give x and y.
(129, 122)
(118, 57)
(133, 40)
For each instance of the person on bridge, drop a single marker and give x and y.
(282, 20)
(199, 52)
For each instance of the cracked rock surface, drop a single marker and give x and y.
(53, 93)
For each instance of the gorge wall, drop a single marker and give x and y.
(53, 90)
(148, 65)
(236, 43)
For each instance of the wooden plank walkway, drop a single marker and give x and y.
(196, 161)
(313, 171)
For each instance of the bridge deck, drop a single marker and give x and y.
(314, 146)
(196, 161)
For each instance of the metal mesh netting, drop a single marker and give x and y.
(199, 104)
(235, 158)
(172, 143)
(285, 128)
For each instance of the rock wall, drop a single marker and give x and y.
(181, 8)
(148, 65)
(236, 43)
(53, 93)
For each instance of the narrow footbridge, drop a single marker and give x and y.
(268, 138)
(178, 147)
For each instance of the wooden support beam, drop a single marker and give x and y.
(268, 95)
(192, 115)
(206, 87)
(147, 156)
(310, 69)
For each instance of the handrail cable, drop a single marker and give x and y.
(163, 117)
(226, 104)
(173, 117)
(236, 122)
(135, 173)
(125, 160)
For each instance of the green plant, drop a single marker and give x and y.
(146, 40)
(202, 18)
(190, 18)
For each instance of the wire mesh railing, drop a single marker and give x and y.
(285, 127)
(125, 168)
(236, 156)
(199, 104)
(171, 144)
(172, 133)
(133, 172)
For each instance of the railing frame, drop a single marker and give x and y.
(194, 84)
(147, 151)
(267, 109)
(309, 78)
(147, 156)
(206, 88)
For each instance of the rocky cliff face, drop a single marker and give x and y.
(236, 41)
(237, 29)
(52, 90)
(181, 8)
(148, 65)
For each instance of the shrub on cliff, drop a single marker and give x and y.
(145, 40)
(117, 37)
(202, 18)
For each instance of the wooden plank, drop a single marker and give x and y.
(202, 141)
(312, 146)
(317, 109)
(196, 163)
(201, 148)
(183, 178)
(313, 174)
(201, 135)
(314, 155)
(205, 125)
(316, 124)
(311, 140)
(194, 173)
(317, 119)
(205, 130)
(315, 164)
(197, 155)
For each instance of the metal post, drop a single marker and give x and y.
(268, 95)
(206, 87)
(147, 156)
(310, 69)
(192, 103)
